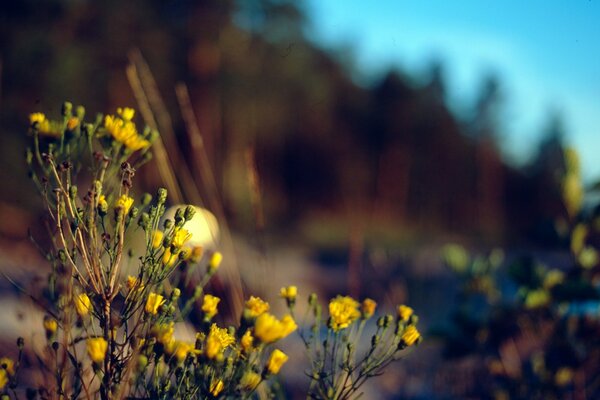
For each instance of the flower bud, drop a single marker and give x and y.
(189, 213)
(67, 109)
(162, 195)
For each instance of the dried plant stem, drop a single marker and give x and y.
(205, 171)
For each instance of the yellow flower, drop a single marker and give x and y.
(214, 262)
(8, 365)
(537, 298)
(209, 305)
(133, 283)
(72, 123)
(404, 312)
(163, 333)
(216, 387)
(180, 237)
(563, 376)
(124, 203)
(169, 259)
(276, 360)
(83, 305)
(256, 306)
(217, 341)
(553, 277)
(250, 380)
(45, 126)
(123, 131)
(196, 254)
(7, 369)
(50, 325)
(182, 349)
(37, 117)
(246, 341)
(289, 293)
(410, 335)
(269, 329)
(3, 378)
(126, 113)
(343, 311)
(102, 204)
(368, 308)
(157, 239)
(153, 303)
(96, 348)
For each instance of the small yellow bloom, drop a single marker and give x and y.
(411, 335)
(124, 131)
(182, 349)
(368, 308)
(126, 113)
(72, 123)
(217, 341)
(343, 311)
(180, 237)
(3, 378)
(8, 365)
(553, 277)
(276, 360)
(216, 387)
(289, 293)
(124, 203)
(246, 341)
(36, 117)
(102, 203)
(563, 376)
(250, 380)
(83, 305)
(153, 303)
(256, 306)
(209, 305)
(96, 348)
(157, 239)
(537, 298)
(50, 325)
(404, 312)
(196, 254)
(269, 329)
(169, 259)
(133, 283)
(163, 333)
(214, 262)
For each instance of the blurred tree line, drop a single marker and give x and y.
(393, 151)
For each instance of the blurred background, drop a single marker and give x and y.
(340, 144)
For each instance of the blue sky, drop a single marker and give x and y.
(546, 53)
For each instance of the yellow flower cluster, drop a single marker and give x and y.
(343, 311)
(269, 329)
(123, 130)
